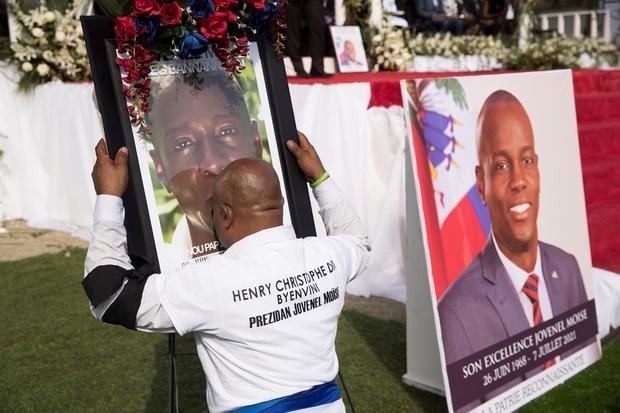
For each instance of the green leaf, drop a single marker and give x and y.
(453, 87)
(60, 5)
(5, 48)
(109, 7)
(28, 82)
(26, 5)
(126, 7)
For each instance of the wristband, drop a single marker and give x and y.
(319, 181)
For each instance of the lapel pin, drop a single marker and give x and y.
(554, 274)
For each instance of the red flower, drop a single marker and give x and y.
(214, 26)
(145, 7)
(124, 30)
(126, 64)
(257, 4)
(225, 4)
(143, 54)
(171, 13)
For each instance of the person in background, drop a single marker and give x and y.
(312, 12)
(444, 15)
(493, 16)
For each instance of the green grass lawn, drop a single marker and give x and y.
(54, 357)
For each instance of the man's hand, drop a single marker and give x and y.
(110, 176)
(307, 158)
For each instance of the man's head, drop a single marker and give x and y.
(349, 50)
(246, 199)
(199, 125)
(507, 172)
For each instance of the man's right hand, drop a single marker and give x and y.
(307, 158)
(110, 176)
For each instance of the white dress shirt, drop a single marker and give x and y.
(264, 313)
(518, 278)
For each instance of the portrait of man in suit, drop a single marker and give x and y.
(517, 281)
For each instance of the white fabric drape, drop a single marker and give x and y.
(48, 139)
(49, 155)
(607, 294)
(364, 151)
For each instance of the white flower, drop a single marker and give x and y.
(60, 36)
(49, 16)
(72, 70)
(27, 67)
(586, 61)
(81, 49)
(38, 32)
(43, 69)
(48, 55)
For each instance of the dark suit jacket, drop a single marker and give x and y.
(482, 307)
(426, 8)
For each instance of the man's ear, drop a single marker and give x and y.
(227, 215)
(480, 182)
(258, 144)
(159, 169)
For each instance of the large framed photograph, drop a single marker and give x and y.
(201, 120)
(349, 47)
(502, 210)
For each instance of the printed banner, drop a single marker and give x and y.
(500, 193)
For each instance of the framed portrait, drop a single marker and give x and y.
(350, 52)
(499, 190)
(201, 120)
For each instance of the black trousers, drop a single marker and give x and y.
(312, 11)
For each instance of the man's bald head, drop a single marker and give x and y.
(496, 109)
(507, 176)
(246, 199)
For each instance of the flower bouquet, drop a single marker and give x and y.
(182, 29)
(49, 45)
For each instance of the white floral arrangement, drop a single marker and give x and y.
(391, 50)
(559, 52)
(394, 49)
(447, 45)
(49, 45)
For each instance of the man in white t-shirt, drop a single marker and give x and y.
(264, 312)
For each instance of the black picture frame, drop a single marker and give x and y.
(99, 35)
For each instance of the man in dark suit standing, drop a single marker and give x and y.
(433, 15)
(312, 11)
(516, 281)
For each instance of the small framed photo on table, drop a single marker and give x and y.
(201, 119)
(349, 48)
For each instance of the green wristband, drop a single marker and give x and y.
(319, 181)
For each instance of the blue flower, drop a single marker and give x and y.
(199, 9)
(193, 44)
(258, 18)
(148, 26)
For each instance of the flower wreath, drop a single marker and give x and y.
(182, 29)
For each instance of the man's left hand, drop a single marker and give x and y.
(110, 176)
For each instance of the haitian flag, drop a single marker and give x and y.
(443, 141)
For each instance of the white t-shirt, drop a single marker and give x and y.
(264, 313)
(267, 288)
